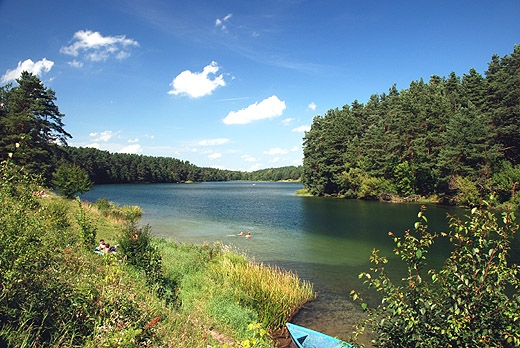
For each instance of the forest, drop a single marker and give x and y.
(104, 167)
(455, 139)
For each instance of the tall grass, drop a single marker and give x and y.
(272, 292)
(218, 283)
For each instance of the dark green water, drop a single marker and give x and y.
(327, 241)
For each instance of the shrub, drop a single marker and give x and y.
(135, 245)
(36, 296)
(467, 192)
(473, 301)
(70, 179)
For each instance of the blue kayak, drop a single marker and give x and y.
(307, 338)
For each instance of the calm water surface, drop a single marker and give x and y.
(327, 241)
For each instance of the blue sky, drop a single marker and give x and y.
(234, 84)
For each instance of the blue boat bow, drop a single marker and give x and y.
(307, 338)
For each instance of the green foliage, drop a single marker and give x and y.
(31, 125)
(37, 301)
(357, 184)
(404, 179)
(104, 167)
(259, 337)
(230, 291)
(473, 301)
(507, 184)
(87, 228)
(467, 193)
(420, 139)
(135, 244)
(70, 179)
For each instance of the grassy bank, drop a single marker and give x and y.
(55, 291)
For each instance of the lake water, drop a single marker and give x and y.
(326, 241)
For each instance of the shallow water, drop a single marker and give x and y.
(326, 241)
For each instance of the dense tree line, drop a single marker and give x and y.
(32, 135)
(104, 167)
(457, 138)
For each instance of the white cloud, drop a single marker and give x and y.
(93, 145)
(197, 85)
(134, 148)
(274, 160)
(301, 129)
(96, 47)
(222, 22)
(215, 155)
(255, 166)
(213, 142)
(248, 158)
(103, 136)
(28, 65)
(294, 149)
(276, 151)
(133, 140)
(287, 121)
(267, 108)
(75, 64)
(312, 106)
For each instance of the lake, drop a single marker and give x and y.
(324, 240)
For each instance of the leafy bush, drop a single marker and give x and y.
(473, 301)
(87, 228)
(70, 179)
(507, 184)
(467, 192)
(36, 297)
(135, 244)
(357, 184)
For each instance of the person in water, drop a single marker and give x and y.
(240, 234)
(248, 235)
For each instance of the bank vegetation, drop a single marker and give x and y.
(57, 292)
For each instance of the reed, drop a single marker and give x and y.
(274, 293)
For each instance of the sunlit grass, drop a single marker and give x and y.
(274, 293)
(72, 297)
(218, 283)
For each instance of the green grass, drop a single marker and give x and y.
(56, 292)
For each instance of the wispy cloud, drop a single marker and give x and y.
(213, 142)
(222, 23)
(312, 106)
(276, 151)
(36, 68)
(96, 47)
(287, 121)
(133, 148)
(249, 158)
(197, 84)
(103, 136)
(215, 155)
(268, 108)
(301, 129)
